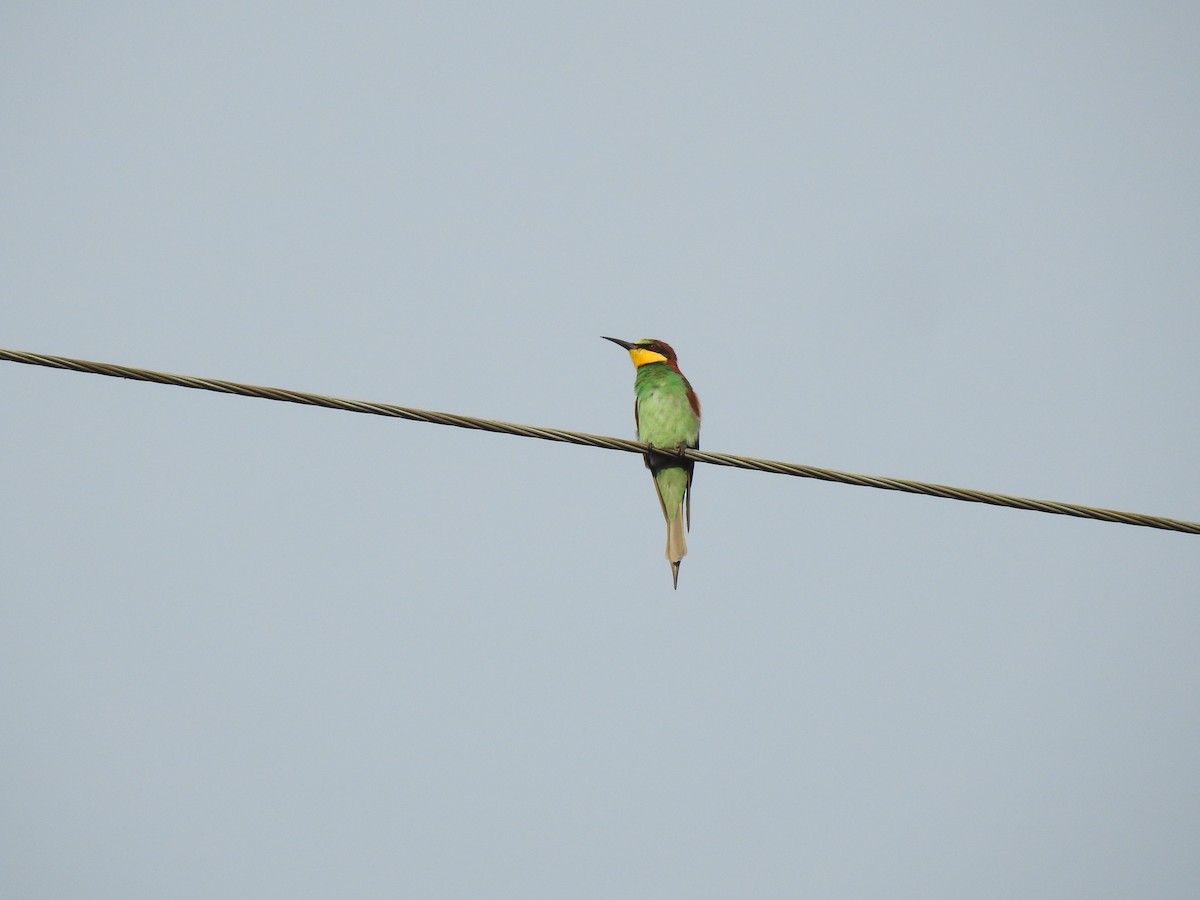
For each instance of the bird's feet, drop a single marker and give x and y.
(662, 456)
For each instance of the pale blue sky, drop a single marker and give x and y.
(250, 649)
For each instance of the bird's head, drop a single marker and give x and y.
(646, 351)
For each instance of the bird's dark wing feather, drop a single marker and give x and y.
(690, 465)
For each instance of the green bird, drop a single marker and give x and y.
(667, 416)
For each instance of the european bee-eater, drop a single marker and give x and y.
(667, 416)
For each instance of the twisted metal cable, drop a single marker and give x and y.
(593, 440)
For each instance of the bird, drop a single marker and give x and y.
(666, 414)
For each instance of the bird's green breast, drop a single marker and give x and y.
(665, 415)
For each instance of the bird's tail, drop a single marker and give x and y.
(676, 544)
(671, 483)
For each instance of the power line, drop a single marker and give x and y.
(592, 440)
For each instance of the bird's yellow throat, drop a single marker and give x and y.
(643, 357)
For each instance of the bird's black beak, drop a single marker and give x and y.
(620, 343)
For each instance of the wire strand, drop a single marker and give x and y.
(593, 440)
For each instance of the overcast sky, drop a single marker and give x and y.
(251, 649)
